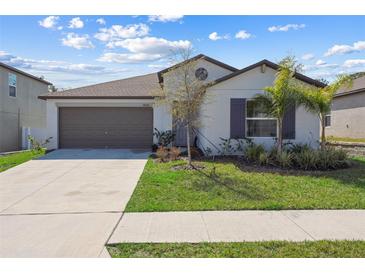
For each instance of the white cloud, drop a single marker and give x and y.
(308, 56)
(320, 62)
(286, 27)
(242, 34)
(76, 23)
(77, 41)
(152, 45)
(354, 63)
(345, 49)
(157, 66)
(128, 58)
(117, 32)
(165, 18)
(49, 22)
(100, 21)
(214, 36)
(64, 74)
(53, 66)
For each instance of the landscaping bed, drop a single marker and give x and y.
(10, 160)
(228, 184)
(271, 249)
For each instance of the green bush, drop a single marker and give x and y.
(297, 156)
(284, 159)
(253, 151)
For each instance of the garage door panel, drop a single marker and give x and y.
(94, 127)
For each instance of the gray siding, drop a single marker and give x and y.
(348, 116)
(24, 110)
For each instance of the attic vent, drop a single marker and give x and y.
(263, 68)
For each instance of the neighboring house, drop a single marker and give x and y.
(123, 113)
(347, 118)
(20, 106)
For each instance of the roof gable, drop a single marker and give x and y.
(272, 65)
(197, 57)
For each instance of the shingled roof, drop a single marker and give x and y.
(139, 87)
(358, 85)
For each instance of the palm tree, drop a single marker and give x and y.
(283, 94)
(319, 100)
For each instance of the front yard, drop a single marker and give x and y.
(14, 159)
(274, 249)
(233, 186)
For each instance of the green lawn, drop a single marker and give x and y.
(11, 160)
(274, 249)
(233, 187)
(345, 139)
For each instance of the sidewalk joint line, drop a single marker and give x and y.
(205, 225)
(290, 219)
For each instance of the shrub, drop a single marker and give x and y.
(284, 159)
(162, 153)
(226, 146)
(252, 152)
(164, 138)
(306, 159)
(298, 148)
(263, 159)
(36, 145)
(174, 153)
(330, 158)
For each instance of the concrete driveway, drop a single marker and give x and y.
(67, 203)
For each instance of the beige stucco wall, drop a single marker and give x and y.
(24, 110)
(348, 116)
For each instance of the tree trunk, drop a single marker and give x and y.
(323, 132)
(280, 136)
(188, 143)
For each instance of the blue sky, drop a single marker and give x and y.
(72, 51)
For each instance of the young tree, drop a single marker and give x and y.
(183, 92)
(281, 95)
(319, 100)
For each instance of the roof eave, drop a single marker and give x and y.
(46, 97)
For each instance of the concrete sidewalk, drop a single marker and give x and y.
(236, 226)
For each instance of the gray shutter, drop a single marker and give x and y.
(238, 117)
(289, 123)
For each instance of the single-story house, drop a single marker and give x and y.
(347, 117)
(21, 111)
(123, 113)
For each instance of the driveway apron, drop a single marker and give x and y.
(67, 203)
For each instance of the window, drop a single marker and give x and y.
(12, 85)
(327, 120)
(258, 123)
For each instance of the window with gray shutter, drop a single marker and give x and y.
(289, 123)
(238, 117)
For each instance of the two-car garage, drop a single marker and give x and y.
(105, 127)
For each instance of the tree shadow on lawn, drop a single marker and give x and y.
(242, 188)
(353, 175)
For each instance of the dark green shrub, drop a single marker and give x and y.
(306, 159)
(284, 159)
(252, 152)
(164, 138)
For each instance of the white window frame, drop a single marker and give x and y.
(16, 83)
(258, 118)
(325, 119)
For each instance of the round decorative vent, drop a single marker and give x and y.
(201, 74)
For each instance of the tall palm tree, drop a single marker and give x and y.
(281, 95)
(319, 100)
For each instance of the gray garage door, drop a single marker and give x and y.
(105, 127)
